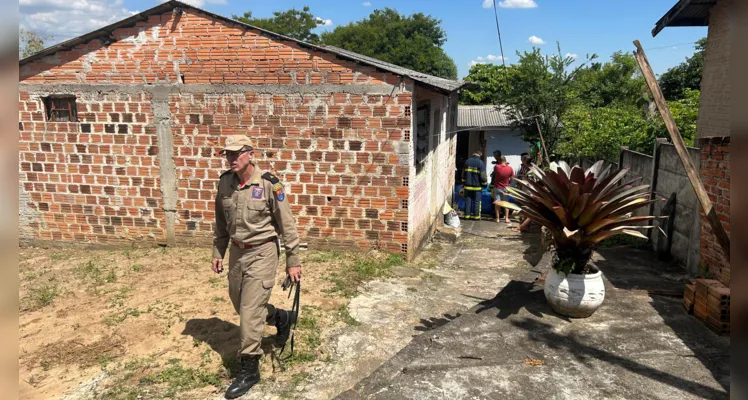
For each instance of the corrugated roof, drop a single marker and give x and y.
(685, 13)
(447, 85)
(489, 116)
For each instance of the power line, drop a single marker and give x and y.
(501, 47)
(671, 45)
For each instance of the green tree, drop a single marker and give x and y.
(599, 132)
(540, 88)
(412, 41)
(292, 23)
(490, 84)
(686, 75)
(618, 81)
(30, 42)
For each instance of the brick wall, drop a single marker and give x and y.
(713, 132)
(715, 173)
(714, 104)
(435, 183)
(154, 106)
(95, 180)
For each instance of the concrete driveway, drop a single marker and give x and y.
(639, 345)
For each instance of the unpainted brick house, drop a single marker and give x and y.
(713, 124)
(119, 131)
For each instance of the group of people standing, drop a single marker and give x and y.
(502, 177)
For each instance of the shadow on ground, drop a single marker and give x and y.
(540, 332)
(636, 269)
(514, 297)
(223, 337)
(435, 322)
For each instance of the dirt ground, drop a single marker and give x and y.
(158, 323)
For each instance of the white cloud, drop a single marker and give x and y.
(517, 4)
(324, 22)
(366, 4)
(486, 59)
(535, 40)
(572, 55)
(492, 57)
(66, 19)
(487, 3)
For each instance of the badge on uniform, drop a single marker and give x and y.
(278, 188)
(257, 192)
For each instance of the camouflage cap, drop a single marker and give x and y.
(236, 143)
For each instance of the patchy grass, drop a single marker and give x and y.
(145, 378)
(345, 316)
(119, 317)
(74, 352)
(112, 303)
(363, 267)
(42, 295)
(308, 337)
(91, 273)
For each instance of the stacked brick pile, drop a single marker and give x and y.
(709, 301)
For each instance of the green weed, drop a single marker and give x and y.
(364, 267)
(42, 295)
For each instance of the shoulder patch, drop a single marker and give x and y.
(270, 177)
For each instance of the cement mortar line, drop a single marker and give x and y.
(212, 88)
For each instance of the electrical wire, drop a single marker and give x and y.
(671, 45)
(501, 47)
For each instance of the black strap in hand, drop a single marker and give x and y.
(294, 307)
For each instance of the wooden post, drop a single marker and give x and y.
(545, 151)
(620, 156)
(680, 147)
(653, 180)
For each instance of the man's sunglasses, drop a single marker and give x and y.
(235, 154)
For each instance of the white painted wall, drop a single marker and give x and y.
(511, 145)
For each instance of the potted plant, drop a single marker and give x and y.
(580, 209)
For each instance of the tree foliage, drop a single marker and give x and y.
(412, 41)
(30, 42)
(686, 75)
(292, 23)
(616, 82)
(590, 111)
(490, 84)
(599, 132)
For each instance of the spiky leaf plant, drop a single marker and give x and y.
(581, 209)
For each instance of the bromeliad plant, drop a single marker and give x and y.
(581, 209)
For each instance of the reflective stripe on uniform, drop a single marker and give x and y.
(472, 170)
(472, 188)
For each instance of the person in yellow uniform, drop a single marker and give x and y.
(252, 212)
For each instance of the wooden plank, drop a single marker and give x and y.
(680, 147)
(542, 141)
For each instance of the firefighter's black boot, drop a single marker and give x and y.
(248, 375)
(283, 321)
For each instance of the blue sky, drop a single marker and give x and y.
(581, 26)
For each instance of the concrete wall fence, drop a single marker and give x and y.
(666, 176)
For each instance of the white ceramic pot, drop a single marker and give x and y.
(576, 296)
